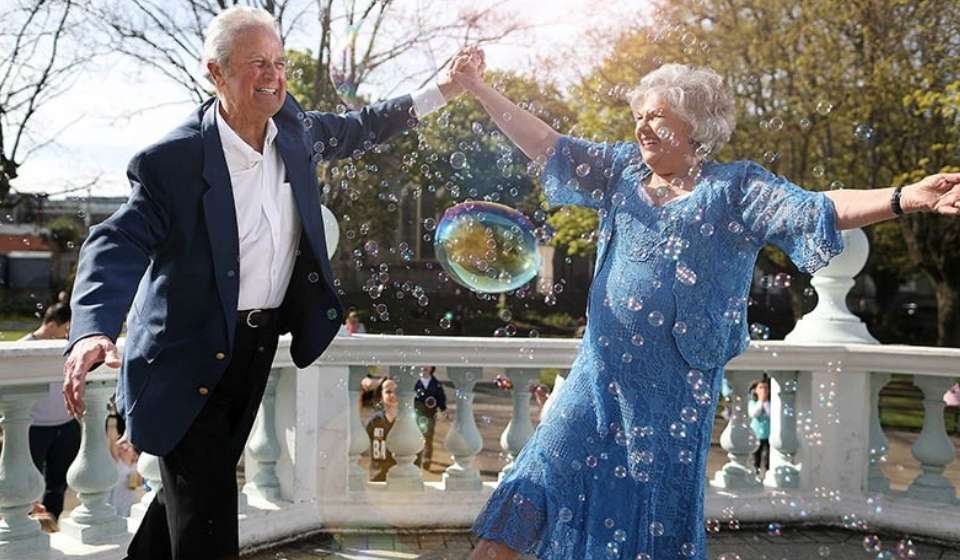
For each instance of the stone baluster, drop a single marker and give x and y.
(463, 439)
(933, 448)
(21, 484)
(783, 471)
(359, 440)
(519, 429)
(405, 439)
(831, 320)
(149, 468)
(264, 447)
(93, 474)
(876, 480)
(738, 439)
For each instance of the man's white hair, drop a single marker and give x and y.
(223, 30)
(699, 97)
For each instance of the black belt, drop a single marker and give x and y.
(256, 318)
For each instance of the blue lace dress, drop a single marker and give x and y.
(617, 469)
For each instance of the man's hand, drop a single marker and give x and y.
(84, 355)
(936, 193)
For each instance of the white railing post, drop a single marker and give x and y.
(831, 320)
(933, 448)
(21, 484)
(463, 439)
(738, 439)
(93, 474)
(520, 428)
(359, 440)
(405, 439)
(783, 472)
(263, 446)
(876, 480)
(149, 468)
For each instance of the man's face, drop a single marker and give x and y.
(253, 83)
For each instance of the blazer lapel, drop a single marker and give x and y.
(305, 195)
(221, 216)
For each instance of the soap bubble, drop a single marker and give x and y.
(487, 247)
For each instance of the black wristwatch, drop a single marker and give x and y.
(895, 201)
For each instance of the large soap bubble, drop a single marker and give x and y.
(487, 247)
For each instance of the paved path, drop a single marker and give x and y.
(745, 544)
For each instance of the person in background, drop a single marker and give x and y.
(124, 494)
(430, 399)
(352, 324)
(378, 428)
(759, 410)
(54, 433)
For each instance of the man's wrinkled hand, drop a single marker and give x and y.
(84, 356)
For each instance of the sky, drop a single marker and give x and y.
(116, 108)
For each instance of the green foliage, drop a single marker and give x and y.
(574, 228)
(830, 94)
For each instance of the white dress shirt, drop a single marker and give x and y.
(267, 220)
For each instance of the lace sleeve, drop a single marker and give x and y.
(581, 173)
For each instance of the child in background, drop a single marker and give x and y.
(378, 428)
(759, 410)
(430, 399)
(124, 494)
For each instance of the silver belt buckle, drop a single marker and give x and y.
(250, 316)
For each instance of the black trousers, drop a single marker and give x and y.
(53, 448)
(761, 457)
(194, 516)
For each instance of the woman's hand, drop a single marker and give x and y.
(468, 67)
(936, 193)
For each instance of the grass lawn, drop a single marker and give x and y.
(12, 335)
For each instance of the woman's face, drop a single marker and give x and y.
(664, 137)
(390, 393)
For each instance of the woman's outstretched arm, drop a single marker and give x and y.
(528, 132)
(936, 193)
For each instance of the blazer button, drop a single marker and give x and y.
(203, 391)
(230, 273)
(220, 355)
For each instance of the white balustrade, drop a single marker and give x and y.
(876, 480)
(93, 474)
(318, 439)
(359, 440)
(738, 439)
(783, 472)
(263, 446)
(463, 439)
(149, 468)
(21, 484)
(519, 429)
(405, 439)
(933, 448)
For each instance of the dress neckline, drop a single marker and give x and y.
(697, 187)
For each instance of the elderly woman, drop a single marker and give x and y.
(617, 469)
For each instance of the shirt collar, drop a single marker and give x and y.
(238, 153)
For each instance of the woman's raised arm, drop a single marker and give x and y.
(528, 132)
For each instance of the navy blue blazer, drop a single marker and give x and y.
(172, 251)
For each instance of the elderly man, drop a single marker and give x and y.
(220, 249)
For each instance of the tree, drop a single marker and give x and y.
(829, 94)
(35, 67)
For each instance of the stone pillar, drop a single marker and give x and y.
(21, 484)
(93, 474)
(149, 468)
(463, 439)
(263, 446)
(831, 320)
(933, 448)
(405, 439)
(876, 480)
(738, 439)
(783, 471)
(520, 428)
(359, 440)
